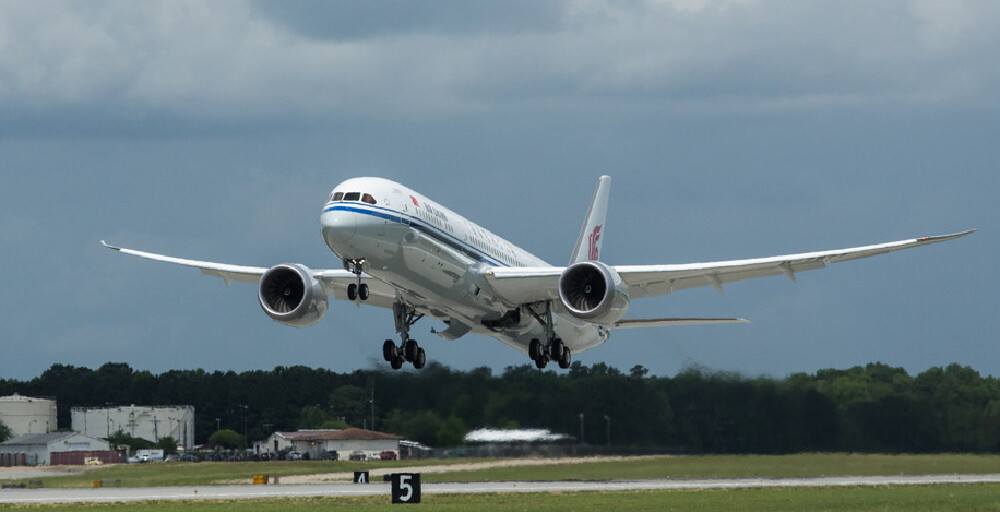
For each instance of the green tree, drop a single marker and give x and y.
(168, 445)
(4, 432)
(351, 403)
(313, 416)
(120, 438)
(227, 439)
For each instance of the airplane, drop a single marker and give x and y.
(405, 252)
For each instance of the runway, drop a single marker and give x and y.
(239, 492)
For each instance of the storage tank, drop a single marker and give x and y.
(28, 415)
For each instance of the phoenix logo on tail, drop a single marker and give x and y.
(592, 242)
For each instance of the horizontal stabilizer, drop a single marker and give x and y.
(660, 322)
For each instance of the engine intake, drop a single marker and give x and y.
(592, 291)
(290, 294)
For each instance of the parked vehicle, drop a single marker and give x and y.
(358, 457)
(294, 456)
(387, 455)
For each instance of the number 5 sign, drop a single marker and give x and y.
(406, 488)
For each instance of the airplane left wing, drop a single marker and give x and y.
(334, 281)
(531, 284)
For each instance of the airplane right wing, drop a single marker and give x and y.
(531, 284)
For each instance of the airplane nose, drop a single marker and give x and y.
(338, 228)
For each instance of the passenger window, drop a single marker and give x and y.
(337, 196)
(368, 198)
(352, 196)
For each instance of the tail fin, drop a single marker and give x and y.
(588, 246)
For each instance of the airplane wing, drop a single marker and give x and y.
(530, 284)
(334, 281)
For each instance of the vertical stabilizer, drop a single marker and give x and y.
(588, 246)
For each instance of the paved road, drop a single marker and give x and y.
(234, 492)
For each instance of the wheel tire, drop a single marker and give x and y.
(566, 359)
(556, 349)
(396, 363)
(534, 349)
(352, 291)
(410, 350)
(541, 361)
(388, 350)
(420, 360)
(363, 291)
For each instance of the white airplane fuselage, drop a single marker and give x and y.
(431, 256)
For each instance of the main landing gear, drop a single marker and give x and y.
(554, 349)
(357, 290)
(404, 317)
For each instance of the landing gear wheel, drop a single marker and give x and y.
(541, 361)
(410, 350)
(396, 363)
(388, 350)
(352, 291)
(534, 349)
(566, 359)
(420, 360)
(556, 349)
(363, 291)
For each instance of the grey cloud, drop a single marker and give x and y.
(224, 63)
(342, 19)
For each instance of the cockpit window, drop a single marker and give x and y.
(337, 196)
(367, 198)
(352, 196)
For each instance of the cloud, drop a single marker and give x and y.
(229, 61)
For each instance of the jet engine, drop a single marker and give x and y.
(291, 295)
(593, 291)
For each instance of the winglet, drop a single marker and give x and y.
(588, 246)
(109, 246)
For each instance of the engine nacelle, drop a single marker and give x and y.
(291, 295)
(593, 291)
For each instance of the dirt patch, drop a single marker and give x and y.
(448, 468)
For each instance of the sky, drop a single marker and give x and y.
(732, 129)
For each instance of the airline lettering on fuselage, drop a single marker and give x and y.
(592, 242)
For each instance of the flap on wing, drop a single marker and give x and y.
(662, 322)
(520, 285)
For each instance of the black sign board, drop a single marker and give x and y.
(361, 477)
(406, 487)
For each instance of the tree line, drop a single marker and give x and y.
(867, 408)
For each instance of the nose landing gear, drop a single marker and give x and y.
(409, 350)
(358, 290)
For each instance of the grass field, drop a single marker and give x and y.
(701, 466)
(885, 499)
(735, 466)
(206, 473)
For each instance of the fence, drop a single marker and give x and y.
(81, 458)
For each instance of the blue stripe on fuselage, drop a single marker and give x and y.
(427, 229)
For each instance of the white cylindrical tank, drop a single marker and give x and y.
(28, 415)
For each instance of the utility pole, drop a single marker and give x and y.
(156, 430)
(218, 424)
(371, 403)
(607, 421)
(244, 407)
(583, 440)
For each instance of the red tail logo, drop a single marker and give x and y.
(415, 203)
(592, 239)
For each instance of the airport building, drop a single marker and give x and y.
(28, 415)
(151, 423)
(38, 448)
(332, 444)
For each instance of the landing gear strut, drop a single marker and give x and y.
(404, 317)
(357, 290)
(553, 349)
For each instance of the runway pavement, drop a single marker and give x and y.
(237, 492)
